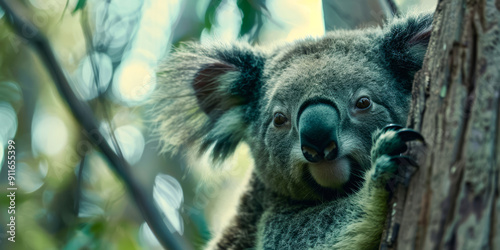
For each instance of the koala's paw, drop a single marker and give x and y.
(386, 155)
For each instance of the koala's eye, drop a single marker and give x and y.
(363, 103)
(279, 119)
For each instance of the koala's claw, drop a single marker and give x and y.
(410, 135)
(405, 134)
(391, 127)
(390, 143)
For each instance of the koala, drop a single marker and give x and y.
(316, 115)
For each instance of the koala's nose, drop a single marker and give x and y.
(317, 125)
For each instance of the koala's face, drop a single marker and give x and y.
(307, 109)
(323, 100)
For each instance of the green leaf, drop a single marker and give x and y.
(252, 21)
(79, 6)
(210, 13)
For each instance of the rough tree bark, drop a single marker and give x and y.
(452, 201)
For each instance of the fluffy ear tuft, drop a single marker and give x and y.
(204, 97)
(210, 87)
(405, 44)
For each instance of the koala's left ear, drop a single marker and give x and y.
(404, 46)
(206, 97)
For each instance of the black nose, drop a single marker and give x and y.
(317, 125)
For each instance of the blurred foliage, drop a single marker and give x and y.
(253, 14)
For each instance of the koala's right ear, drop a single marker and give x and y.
(206, 97)
(404, 46)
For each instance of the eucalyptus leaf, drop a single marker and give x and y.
(79, 6)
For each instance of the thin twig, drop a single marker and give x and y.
(85, 117)
(97, 80)
(79, 178)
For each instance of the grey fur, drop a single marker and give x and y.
(214, 97)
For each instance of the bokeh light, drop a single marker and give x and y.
(131, 142)
(115, 24)
(86, 84)
(29, 179)
(147, 238)
(167, 193)
(134, 82)
(293, 21)
(8, 119)
(49, 134)
(135, 78)
(119, 35)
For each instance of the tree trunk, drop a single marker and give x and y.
(452, 201)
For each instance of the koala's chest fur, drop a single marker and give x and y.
(285, 225)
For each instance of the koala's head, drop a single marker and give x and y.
(307, 110)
